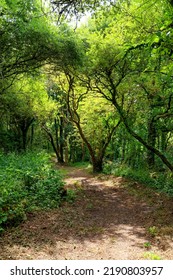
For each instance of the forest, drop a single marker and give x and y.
(83, 83)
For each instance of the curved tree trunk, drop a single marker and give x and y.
(139, 138)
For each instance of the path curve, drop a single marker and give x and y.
(105, 222)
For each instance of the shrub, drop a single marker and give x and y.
(27, 182)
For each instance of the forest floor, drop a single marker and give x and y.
(111, 218)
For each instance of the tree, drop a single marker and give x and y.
(75, 7)
(96, 124)
(29, 40)
(114, 70)
(56, 127)
(26, 102)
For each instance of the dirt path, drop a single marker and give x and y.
(108, 220)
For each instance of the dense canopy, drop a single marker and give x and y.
(121, 54)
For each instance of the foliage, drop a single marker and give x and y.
(153, 231)
(97, 121)
(71, 196)
(30, 39)
(157, 180)
(24, 104)
(68, 8)
(151, 256)
(110, 81)
(147, 245)
(27, 183)
(128, 69)
(81, 164)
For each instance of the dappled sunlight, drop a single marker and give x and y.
(104, 222)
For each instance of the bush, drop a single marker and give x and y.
(27, 183)
(161, 181)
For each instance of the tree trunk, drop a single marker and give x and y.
(32, 135)
(163, 141)
(24, 139)
(61, 145)
(56, 133)
(53, 145)
(97, 165)
(151, 142)
(83, 151)
(24, 127)
(59, 139)
(123, 143)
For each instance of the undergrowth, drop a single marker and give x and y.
(27, 183)
(162, 181)
(82, 164)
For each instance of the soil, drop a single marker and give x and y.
(110, 218)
